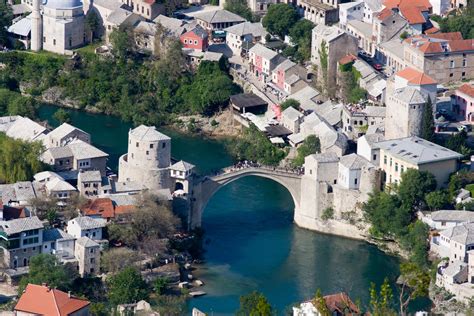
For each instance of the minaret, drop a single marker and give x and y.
(36, 27)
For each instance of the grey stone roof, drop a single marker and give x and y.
(63, 130)
(108, 4)
(453, 216)
(417, 150)
(394, 47)
(219, 16)
(212, 56)
(182, 166)
(292, 114)
(24, 190)
(330, 112)
(59, 185)
(354, 162)
(129, 186)
(175, 26)
(374, 5)
(19, 225)
(54, 234)
(284, 66)
(373, 138)
(199, 31)
(364, 28)
(247, 28)
(409, 95)
(119, 16)
(25, 129)
(463, 234)
(83, 150)
(86, 242)
(7, 121)
(21, 27)
(144, 27)
(375, 111)
(89, 176)
(45, 175)
(60, 152)
(326, 157)
(292, 79)
(329, 33)
(86, 222)
(148, 133)
(455, 268)
(260, 50)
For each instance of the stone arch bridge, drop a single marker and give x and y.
(204, 188)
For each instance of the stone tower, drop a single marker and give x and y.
(36, 27)
(404, 111)
(148, 158)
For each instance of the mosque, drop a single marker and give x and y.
(56, 25)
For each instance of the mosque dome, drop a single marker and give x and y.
(63, 4)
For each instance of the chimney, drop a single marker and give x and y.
(69, 294)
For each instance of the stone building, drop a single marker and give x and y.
(148, 158)
(63, 135)
(58, 27)
(337, 44)
(317, 11)
(399, 155)
(87, 253)
(446, 57)
(357, 119)
(149, 9)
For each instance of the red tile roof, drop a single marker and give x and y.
(41, 300)
(341, 303)
(347, 59)
(149, 1)
(410, 9)
(433, 43)
(413, 15)
(432, 30)
(385, 13)
(415, 77)
(105, 208)
(467, 89)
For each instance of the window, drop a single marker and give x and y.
(44, 39)
(385, 159)
(396, 167)
(137, 144)
(390, 162)
(374, 157)
(54, 41)
(402, 168)
(463, 74)
(147, 152)
(92, 260)
(93, 234)
(355, 181)
(450, 75)
(195, 42)
(91, 250)
(185, 41)
(451, 64)
(163, 145)
(464, 62)
(151, 146)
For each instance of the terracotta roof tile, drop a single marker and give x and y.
(340, 303)
(347, 59)
(461, 45)
(432, 30)
(467, 89)
(385, 13)
(449, 36)
(105, 208)
(41, 300)
(415, 77)
(413, 15)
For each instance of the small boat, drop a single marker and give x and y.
(197, 293)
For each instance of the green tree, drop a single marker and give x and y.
(437, 200)
(381, 303)
(15, 167)
(123, 43)
(254, 304)
(289, 102)
(428, 128)
(379, 207)
(458, 142)
(239, 7)
(300, 34)
(62, 116)
(311, 145)
(323, 61)
(280, 18)
(6, 17)
(126, 287)
(415, 241)
(92, 23)
(24, 106)
(414, 185)
(255, 146)
(462, 21)
(160, 285)
(45, 268)
(320, 303)
(414, 282)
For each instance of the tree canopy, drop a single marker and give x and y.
(300, 34)
(127, 286)
(239, 7)
(6, 17)
(254, 304)
(289, 103)
(45, 268)
(459, 22)
(311, 145)
(62, 116)
(428, 128)
(15, 166)
(280, 18)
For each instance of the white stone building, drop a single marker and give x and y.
(441, 220)
(58, 27)
(148, 158)
(291, 118)
(350, 171)
(85, 226)
(367, 147)
(247, 32)
(87, 253)
(63, 135)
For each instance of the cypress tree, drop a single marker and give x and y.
(427, 128)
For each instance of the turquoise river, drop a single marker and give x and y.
(251, 241)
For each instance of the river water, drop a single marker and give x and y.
(251, 241)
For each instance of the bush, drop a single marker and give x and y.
(328, 213)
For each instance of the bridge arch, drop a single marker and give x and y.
(205, 189)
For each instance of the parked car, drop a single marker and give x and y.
(378, 67)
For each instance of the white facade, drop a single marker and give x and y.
(440, 7)
(85, 227)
